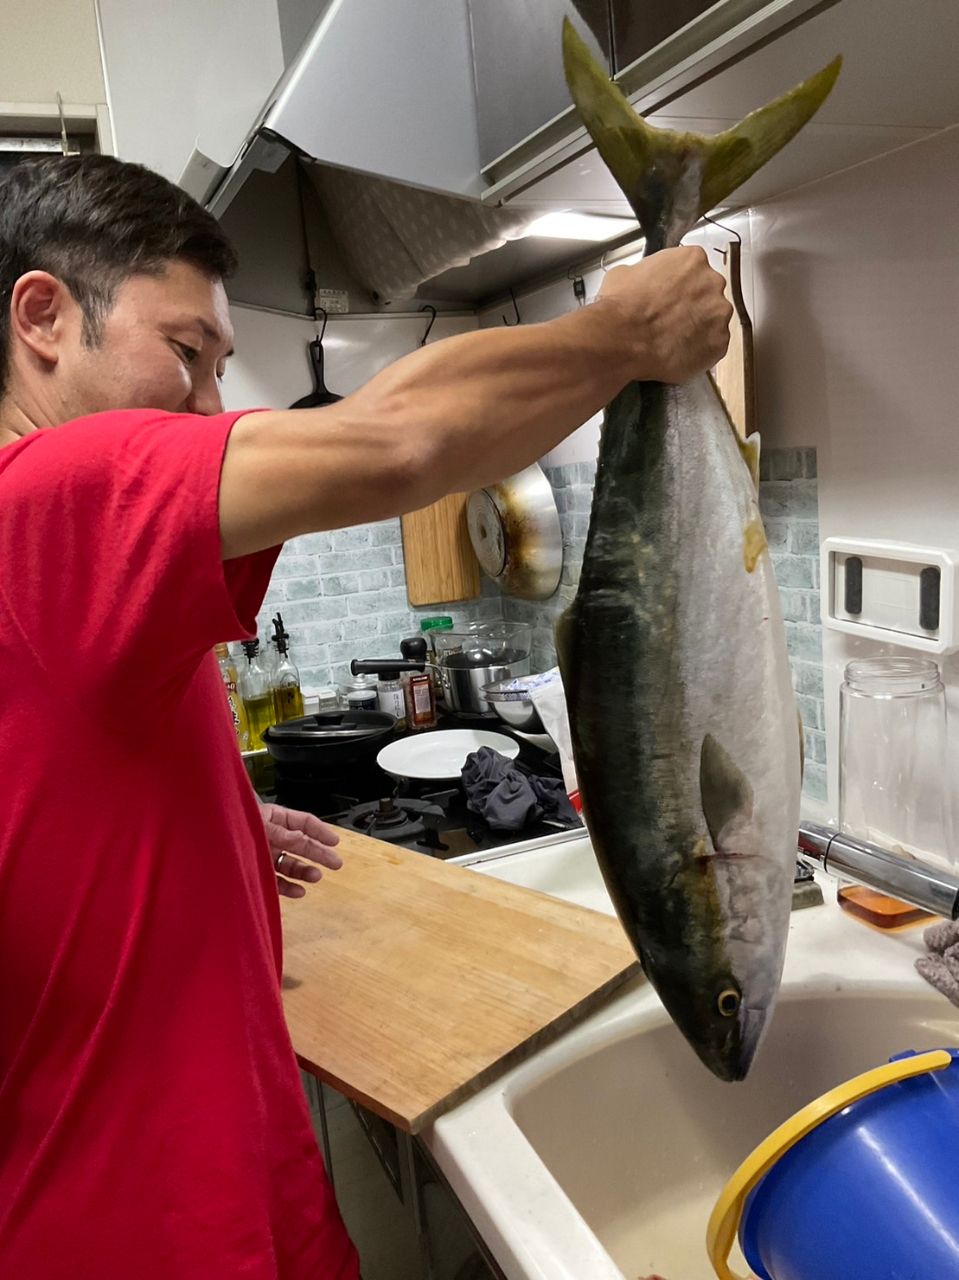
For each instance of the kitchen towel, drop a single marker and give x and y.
(510, 800)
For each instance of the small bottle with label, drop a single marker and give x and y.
(228, 674)
(420, 700)
(389, 697)
(418, 688)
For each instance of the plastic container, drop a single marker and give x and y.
(361, 693)
(859, 1184)
(892, 785)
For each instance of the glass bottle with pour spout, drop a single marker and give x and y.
(287, 694)
(256, 692)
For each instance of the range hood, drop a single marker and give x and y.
(382, 104)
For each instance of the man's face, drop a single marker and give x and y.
(163, 345)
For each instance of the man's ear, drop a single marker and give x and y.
(42, 313)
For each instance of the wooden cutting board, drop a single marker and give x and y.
(409, 983)
(439, 558)
(734, 375)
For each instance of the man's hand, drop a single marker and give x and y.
(299, 842)
(674, 306)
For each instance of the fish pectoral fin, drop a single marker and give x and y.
(724, 789)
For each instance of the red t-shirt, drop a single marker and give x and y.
(152, 1123)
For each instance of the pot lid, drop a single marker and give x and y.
(331, 727)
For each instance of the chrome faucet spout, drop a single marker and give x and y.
(910, 880)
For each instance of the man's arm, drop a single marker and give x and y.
(469, 410)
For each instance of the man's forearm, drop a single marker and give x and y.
(469, 410)
(483, 405)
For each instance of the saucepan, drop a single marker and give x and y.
(478, 655)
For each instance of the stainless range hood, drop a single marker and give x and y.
(391, 97)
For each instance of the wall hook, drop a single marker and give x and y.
(579, 286)
(432, 310)
(320, 311)
(730, 231)
(519, 318)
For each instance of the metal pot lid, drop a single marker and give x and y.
(331, 727)
(515, 531)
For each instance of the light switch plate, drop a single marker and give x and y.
(882, 596)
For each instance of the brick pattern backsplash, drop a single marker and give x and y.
(343, 594)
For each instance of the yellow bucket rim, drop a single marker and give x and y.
(727, 1213)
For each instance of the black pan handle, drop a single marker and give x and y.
(387, 667)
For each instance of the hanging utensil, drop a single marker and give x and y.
(321, 394)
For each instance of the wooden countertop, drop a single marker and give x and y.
(409, 983)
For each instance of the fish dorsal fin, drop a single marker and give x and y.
(724, 789)
(750, 449)
(656, 167)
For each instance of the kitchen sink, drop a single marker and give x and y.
(602, 1155)
(641, 1138)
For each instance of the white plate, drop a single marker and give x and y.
(440, 755)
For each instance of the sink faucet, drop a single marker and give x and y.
(849, 858)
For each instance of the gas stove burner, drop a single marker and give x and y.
(413, 823)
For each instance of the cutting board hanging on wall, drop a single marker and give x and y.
(734, 375)
(440, 562)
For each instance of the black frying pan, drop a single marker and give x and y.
(321, 394)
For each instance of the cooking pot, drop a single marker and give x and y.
(475, 656)
(330, 739)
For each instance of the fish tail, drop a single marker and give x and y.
(671, 178)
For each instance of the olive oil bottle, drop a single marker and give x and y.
(287, 694)
(257, 695)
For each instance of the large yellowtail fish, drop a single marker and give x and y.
(673, 652)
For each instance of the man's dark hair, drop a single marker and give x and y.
(93, 221)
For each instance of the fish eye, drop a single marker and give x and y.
(728, 1002)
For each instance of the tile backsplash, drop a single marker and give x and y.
(343, 594)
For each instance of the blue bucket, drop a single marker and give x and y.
(862, 1184)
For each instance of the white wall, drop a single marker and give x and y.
(49, 46)
(857, 309)
(271, 368)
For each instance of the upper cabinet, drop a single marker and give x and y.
(637, 29)
(517, 70)
(185, 77)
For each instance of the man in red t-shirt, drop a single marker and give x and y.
(152, 1122)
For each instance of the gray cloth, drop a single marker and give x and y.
(941, 968)
(510, 800)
